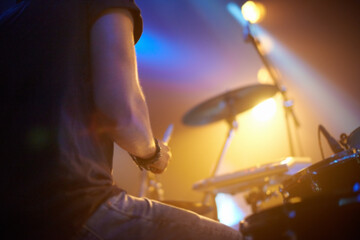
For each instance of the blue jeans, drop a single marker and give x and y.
(128, 217)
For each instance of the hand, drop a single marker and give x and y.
(165, 155)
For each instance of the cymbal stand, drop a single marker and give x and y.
(288, 104)
(233, 126)
(150, 186)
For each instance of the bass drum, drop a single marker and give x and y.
(314, 218)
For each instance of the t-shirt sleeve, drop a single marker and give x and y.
(97, 7)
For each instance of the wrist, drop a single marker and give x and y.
(143, 163)
(149, 151)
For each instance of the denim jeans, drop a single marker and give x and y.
(128, 217)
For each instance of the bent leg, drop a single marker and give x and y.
(128, 217)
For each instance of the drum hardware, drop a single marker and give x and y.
(239, 181)
(344, 140)
(353, 140)
(155, 191)
(259, 196)
(261, 183)
(334, 145)
(151, 187)
(225, 107)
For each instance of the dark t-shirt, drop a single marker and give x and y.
(56, 164)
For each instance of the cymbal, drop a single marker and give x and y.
(228, 104)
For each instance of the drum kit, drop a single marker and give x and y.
(312, 200)
(317, 200)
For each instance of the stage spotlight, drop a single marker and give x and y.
(265, 110)
(229, 212)
(253, 12)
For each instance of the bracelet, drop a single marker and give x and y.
(143, 163)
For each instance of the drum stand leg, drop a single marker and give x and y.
(209, 199)
(150, 186)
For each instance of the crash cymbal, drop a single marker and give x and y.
(229, 104)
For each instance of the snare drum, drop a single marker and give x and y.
(338, 174)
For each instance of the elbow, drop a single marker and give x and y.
(116, 119)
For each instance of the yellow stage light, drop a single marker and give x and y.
(253, 12)
(265, 110)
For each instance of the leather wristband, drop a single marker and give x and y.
(143, 163)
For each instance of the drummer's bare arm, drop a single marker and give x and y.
(118, 95)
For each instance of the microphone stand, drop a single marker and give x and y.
(288, 104)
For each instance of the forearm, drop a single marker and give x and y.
(117, 92)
